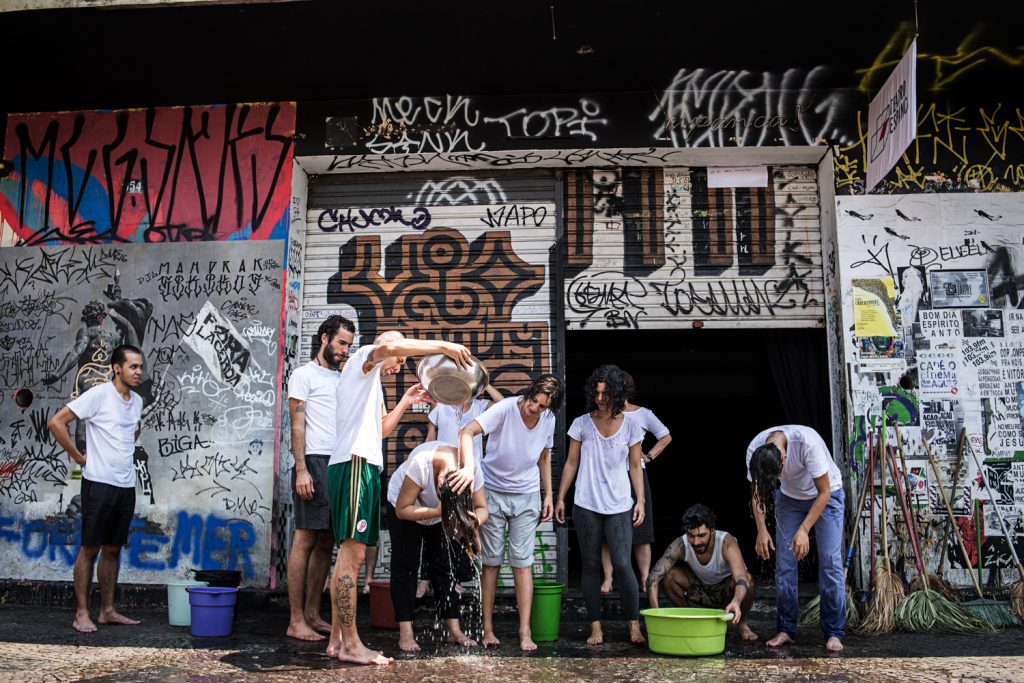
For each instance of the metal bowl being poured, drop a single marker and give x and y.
(447, 383)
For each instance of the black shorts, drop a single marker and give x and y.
(315, 513)
(107, 513)
(645, 532)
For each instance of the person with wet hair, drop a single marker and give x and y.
(704, 567)
(425, 512)
(517, 484)
(792, 473)
(604, 460)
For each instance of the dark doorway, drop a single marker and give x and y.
(715, 390)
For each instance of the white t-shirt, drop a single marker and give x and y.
(649, 422)
(316, 385)
(110, 424)
(807, 457)
(445, 419)
(360, 405)
(602, 481)
(419, 469)
(513, 450)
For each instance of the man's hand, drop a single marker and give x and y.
(638, 514)
(546, 509)
(734, 608)
(460, 479)
(304, 485)
(764, 545)
(560, 512)
(460, 354)
(801, 544)
(417, 394)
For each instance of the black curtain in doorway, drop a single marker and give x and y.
(799, 363)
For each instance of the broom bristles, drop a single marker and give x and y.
(994, 612)
(811, 614)
(929, 612)
(886, 593)
(936, 583)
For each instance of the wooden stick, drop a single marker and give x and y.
(885, 519)
(952, 492)
(905, 506)
(999, 515)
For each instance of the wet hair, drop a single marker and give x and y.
(330, 327)
(120, 354)
(93, 312)
(547, 384)
(458, 525)
(699, 515)
(389, 336)
(630, 387)
(615, 384)
(765, 467)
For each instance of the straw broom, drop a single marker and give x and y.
(887, 587)
(927, 611)
(943, 544)
(1017, 590)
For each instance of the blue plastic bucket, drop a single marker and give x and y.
(213, 610)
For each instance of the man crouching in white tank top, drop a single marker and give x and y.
(704, 568)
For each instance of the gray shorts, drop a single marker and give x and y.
(519, 514)
(315, 513)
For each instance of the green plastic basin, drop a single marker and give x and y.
(687, 631)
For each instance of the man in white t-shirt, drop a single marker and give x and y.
(791, 471)
(353, 473)
(313, 411)
(517, 467)
(111, 412)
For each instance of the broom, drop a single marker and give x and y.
(1017, 590)
(935, 581)
(944, 544)
(886, 587)
(811, 614)
(992, 611)
(927, 611)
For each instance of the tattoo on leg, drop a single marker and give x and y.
(346, 610)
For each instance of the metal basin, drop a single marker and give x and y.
(447, 383)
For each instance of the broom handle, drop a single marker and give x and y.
(885, 497)
(952, 492)
(855, 533)
(952, 520)
(906, 471)
(999, 515)
(871, 481)
(906, 515)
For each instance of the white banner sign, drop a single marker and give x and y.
(892, 118)
(738, 176)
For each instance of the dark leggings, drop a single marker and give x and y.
(407, 538)
(617, 531)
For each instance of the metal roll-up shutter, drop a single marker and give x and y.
(658, 248)
(466, 258)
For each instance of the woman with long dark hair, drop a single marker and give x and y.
(604, 461)
(792, 472)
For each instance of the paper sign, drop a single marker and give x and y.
(892, 118)
(941, 324)
(738, 176)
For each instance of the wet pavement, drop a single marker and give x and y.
(38, 644)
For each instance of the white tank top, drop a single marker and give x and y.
(717, 569)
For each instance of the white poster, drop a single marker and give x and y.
(892, 118)
(937, 373)
(738, 176)
(941, 324)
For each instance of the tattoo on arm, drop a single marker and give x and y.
(346, 608)
(743, 582)
(673, 554)
(300, 409)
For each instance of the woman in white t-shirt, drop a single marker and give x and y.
(601, 444)
(416, 506)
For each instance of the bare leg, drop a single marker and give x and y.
(488, 589)
(455, 634)
(636, 634)
(606, 570)
(406, 637)
(83, 585)
(596, 636)
(642, 553)
(106, 574)
(371, 567)
(345, 643)
(299, 584)
(746, 633)
(676, 584)
(523, 578)
(421, 587)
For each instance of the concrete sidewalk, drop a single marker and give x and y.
(40, 645)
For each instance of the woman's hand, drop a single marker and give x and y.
(801, 544)
(638, 513)
(560, 512)
(460, 479)
(764, 545)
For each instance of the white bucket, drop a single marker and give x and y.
(179, 611)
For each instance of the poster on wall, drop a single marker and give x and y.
(1001, 417)
(941, 325)
(959, 288)
(941, 421)
(877, 325)
(937, 372)
(982, 322)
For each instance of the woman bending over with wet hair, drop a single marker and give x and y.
(791, 471)
(604, 460)
(422, 509)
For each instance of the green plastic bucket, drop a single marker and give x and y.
(687, 631)
(546, 612)
(179, 612)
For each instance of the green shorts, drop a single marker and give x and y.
(354, 490)
(715, 595)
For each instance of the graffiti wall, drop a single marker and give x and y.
(208, 327)
(660, 248)
(933, 307)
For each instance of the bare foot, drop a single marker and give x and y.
(114, 617)
(490, 639)
(363, 655)
(421, 588)
(606, 586)
(83, 624)
(636, 636)
(408, 645)
(461, 639)
(302, 631)
(366, 589)
(746, 633)
(833, 644)
(596, 636)
(781, 638)
(318, 625)
(526, 644)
